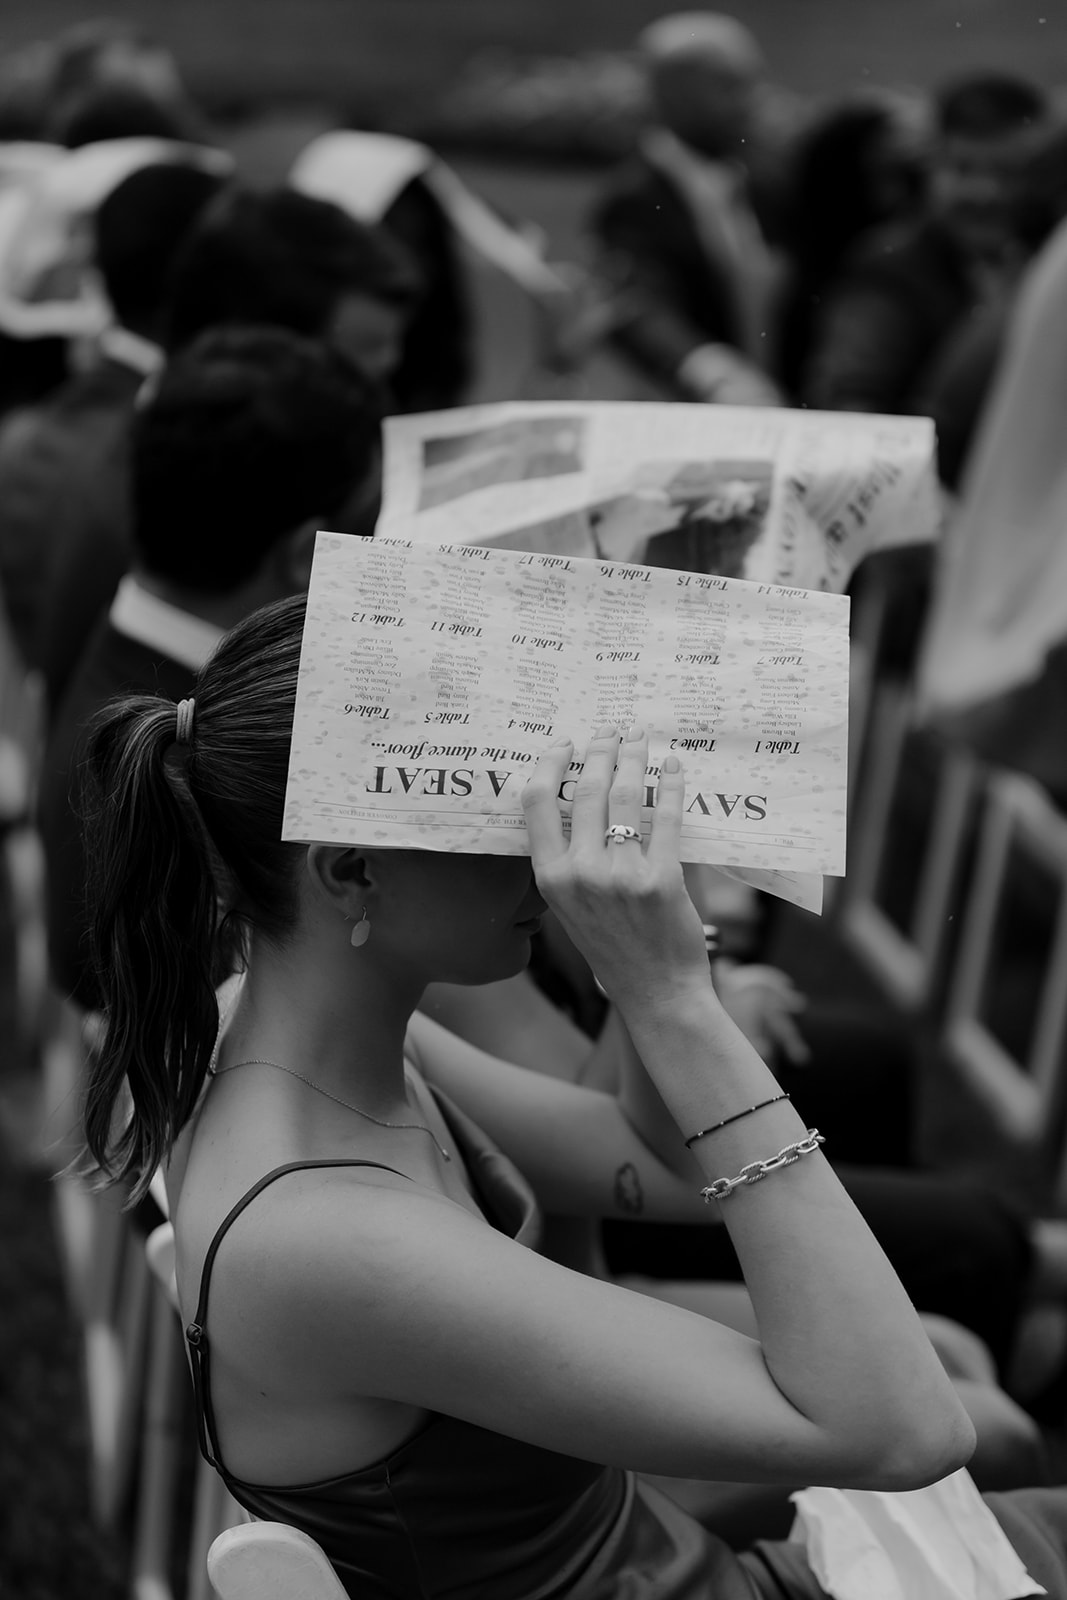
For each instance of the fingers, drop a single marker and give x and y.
(624, 905)
(775, 1000)
(789, 1039)
(610, 792)
(540, 804)
(665, 839)
(756, 974)
(627, 794)
(589, 812)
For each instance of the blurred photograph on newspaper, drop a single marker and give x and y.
(432, 676)
(457, 464)
(790, 497)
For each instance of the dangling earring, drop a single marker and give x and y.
(361, 931)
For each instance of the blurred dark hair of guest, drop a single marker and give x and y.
(988, 105)
(30, 370)
(125, 111)
(960, 384)
(1043, 186)
(138, 231)
(251, 434)
(859, 165)
(25, 90)
(104, 53)
(986, 125)
(281, 258)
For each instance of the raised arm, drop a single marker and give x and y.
(834, 1321)
(414, 1299)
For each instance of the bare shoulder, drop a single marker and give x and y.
(313, 1230)
(357, 1287)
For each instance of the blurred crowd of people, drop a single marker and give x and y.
(852, 275)
(872, 265)
(905, 255)
(194, 371)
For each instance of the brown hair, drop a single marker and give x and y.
(186, 855)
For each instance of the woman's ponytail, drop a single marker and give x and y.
(154, 897)
(184, 841)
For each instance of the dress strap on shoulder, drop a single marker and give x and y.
(196, 1331)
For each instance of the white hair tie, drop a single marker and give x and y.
(183, 726)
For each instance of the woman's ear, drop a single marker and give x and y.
(341, 876)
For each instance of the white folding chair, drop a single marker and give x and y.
(24, 868)
(1019, 1081)
(23, 874)
(271, 1561)
(21, 741)
(82, 1218)
(866, 626)
(165, 1418)
(107, 1277)
(904, 945)
(116, 1353)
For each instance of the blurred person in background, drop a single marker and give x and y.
(958, 388)
(266, 259)
(859, 165)
(110, 91)
(26, 76)
(125, 111)
(993, 670)
(956, 393)
(492, 316)
(676, 232)
(395, 184)
(906, 291)
(63, 463)
(288, 260)
(29, 368)
(103, 64)
(253, 440)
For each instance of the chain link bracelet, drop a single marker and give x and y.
(722, 1188)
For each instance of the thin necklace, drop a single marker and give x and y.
(217, 1071)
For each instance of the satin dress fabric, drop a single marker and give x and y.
(463, 1512)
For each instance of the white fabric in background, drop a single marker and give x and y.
(937, 1543)
(46, 209)
(1001, 599)
(161, 627)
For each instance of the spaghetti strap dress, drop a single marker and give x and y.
(459, 1511)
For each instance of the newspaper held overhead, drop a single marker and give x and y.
(776, 496)
(431, 678)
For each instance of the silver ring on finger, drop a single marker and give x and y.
(621, 833)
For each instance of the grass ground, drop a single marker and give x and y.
(49, 1546)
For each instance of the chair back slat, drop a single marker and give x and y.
(908, 839)
(271, 1561)
(1005, 1020)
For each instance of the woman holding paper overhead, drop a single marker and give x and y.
(380, 1355)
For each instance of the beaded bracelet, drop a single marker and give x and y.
(723, 1188)
(726, 1121)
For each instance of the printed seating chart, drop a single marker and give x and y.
(432, 676)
